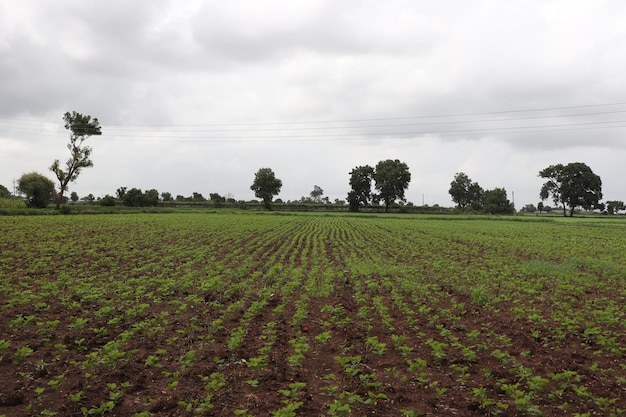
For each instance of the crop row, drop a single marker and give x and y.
(259, 314)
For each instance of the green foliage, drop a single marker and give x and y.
(107, 201)
(266, 186)
(392, 178)
(81, 127)
(465, 193)
(37, 188)
(4, 192)
(614, 207)
(361, 184)
(136, 198)
(496, 202)
(475, 309)
(12, 203)
(572, 185)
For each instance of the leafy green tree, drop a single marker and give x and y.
(613, 207)
(151, 198)
(133, 198)
(81, 127)
(540, 207)
(361, 184)
(392, 178)
(166, 196)
(74, 197)
(316, 194)
(121, 192)
(37, 188)
(89, 198)
(216, 199)
(4, 192)
(496, 202)
(466, 193)
(572, 185)
(266, 186)
(198, 197)
(107, 201)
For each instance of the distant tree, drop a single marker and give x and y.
(266, 186)
(4, 192)
(198, 197)
(572, 185)
(121, 192)
(37, 189)
(540, 207)
(613, 207)
(132, 197)
(166, 196)
(496, 202)
(107, 201)
(180, 198)
(391, 178)
(316, 194)
(529, 208)
(361, 186)
(217, 199)
(151, 198)
(74, 197)
(89, 198)
(464, 192)
(81, 127)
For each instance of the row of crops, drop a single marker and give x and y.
(244, 314)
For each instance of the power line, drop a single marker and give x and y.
(350, 120)
(188, 135)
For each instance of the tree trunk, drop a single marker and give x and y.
(60, 196)
(564, 212)
(58, 202)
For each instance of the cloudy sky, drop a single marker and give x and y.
(196, 96)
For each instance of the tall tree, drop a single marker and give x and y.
(266, 186)
(37, 188)
(4, 192)
(392, 178)
(361, 184)
(81, 127)
(464, 192)
(496, 202)
(316, 194)
(613, 207)
(572, 185)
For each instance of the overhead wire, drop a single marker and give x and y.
(198, 132)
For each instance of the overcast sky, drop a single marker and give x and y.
(196, 96)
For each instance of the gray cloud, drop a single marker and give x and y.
(186, 92)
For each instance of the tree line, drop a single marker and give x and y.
(570, 186)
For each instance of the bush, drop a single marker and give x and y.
(12, 203)
(107, 201)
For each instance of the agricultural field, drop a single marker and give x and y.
(263, 314)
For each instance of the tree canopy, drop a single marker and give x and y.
(266, 186)
(81, 127)
(361, 184)
(4, 192)
(572, 185)
(37, 188)
(392, 178)
(496, 202)
(466, 193)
